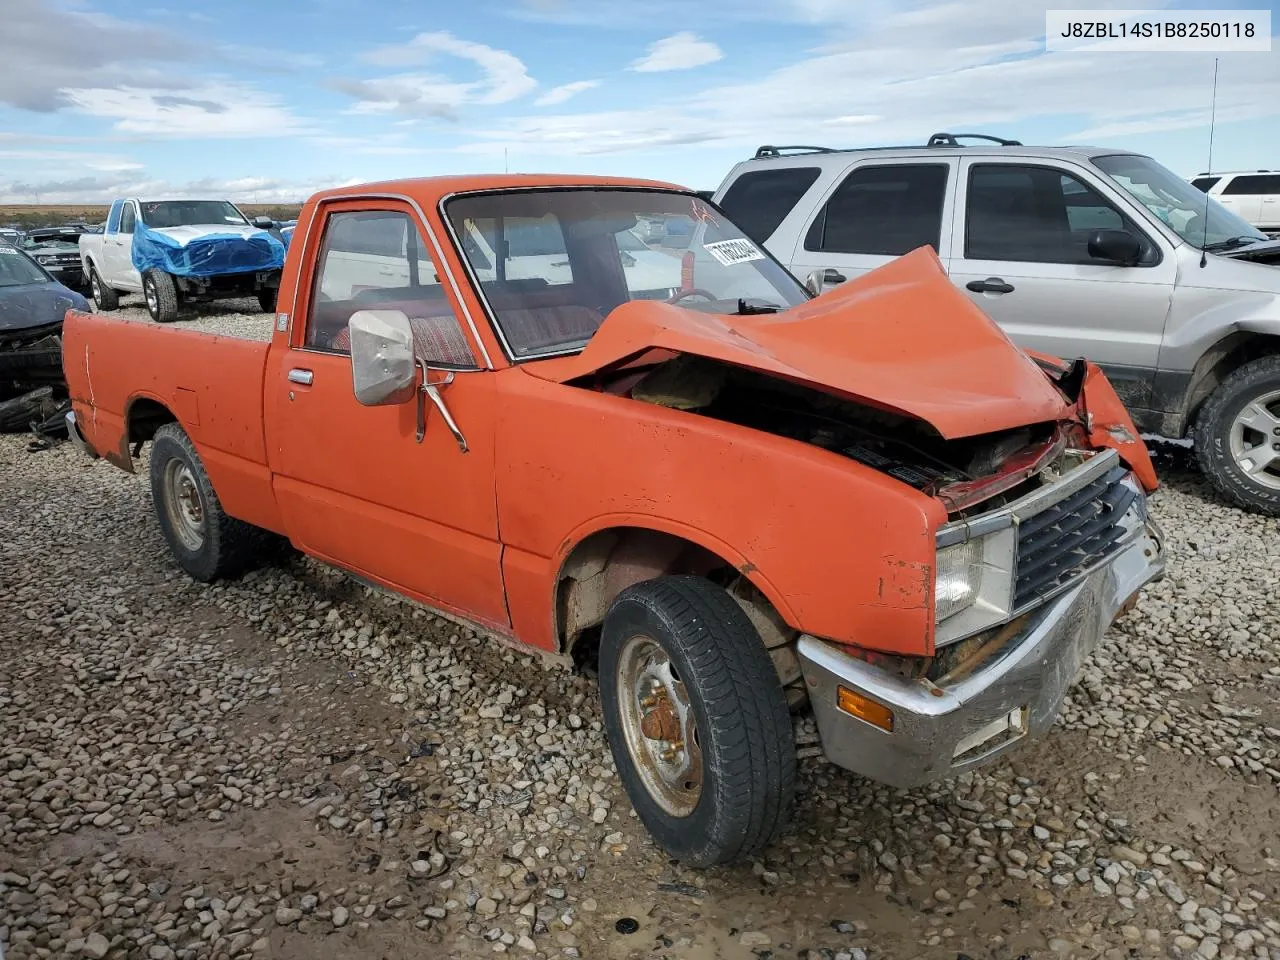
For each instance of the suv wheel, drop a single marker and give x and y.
(1237, 436)
(696, 719)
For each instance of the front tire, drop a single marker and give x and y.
(105, 298)
(267, 300)
(696, 719)
(206, 542)
(162, 296)
(1237, 436)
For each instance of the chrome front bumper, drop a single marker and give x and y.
(78, 441)
(944, 729)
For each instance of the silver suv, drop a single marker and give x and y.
(1074, 251)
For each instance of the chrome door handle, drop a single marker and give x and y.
(304, 377)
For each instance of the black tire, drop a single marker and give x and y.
(105, 298)
(161, 294)
(1212, 436)
(267, 300)
(227, 546)
(748, 763)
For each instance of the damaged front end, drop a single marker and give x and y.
(33, 392)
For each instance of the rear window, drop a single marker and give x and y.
(1205, 183)
(760, 200)
(1255, 184)
(883, 209)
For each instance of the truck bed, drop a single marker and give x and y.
(126, 377)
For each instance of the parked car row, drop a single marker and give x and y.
(1252, 194)
(1076, 252)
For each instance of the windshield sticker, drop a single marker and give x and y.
(10, 250)
(729, 252)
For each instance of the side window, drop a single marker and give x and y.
(1249, 186)
(1086, 210)
(113, 218)
(760, 200)
(1270, 184)
(1033, 214)
(886, 210)
(1205, 183)
(376, 260)
(127, 219)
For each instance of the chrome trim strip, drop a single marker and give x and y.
(435, 243)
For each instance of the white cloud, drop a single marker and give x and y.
(104, 187)
(680, 51)
(503, 78)
(563, 92)
(961, 65)
(214, 110)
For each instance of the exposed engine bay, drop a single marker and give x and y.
(962, 472)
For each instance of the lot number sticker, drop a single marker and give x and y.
(729, 252)
(5, 249)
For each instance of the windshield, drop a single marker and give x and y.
(189, 213)
(16, 269)
(551, 264)
(1179, 204)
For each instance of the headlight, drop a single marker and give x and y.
(44, 260)
(959, 578)
(973, 579)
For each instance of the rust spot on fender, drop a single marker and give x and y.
(747, 569)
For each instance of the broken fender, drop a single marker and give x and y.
(901, 338)
(1111, 426)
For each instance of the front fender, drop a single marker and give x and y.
(1110, 425)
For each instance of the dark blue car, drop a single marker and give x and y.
(32, 305)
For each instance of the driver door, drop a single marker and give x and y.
(354, 485)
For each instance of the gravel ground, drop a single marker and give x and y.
(233, 318)
(292, 766)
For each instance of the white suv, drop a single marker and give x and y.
(1253, 194)
(1074, 251)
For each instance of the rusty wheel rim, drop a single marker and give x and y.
(183, 505)
(659, 726)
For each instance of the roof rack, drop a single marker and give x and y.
(953, 140)
(769, 151)
(772, 151)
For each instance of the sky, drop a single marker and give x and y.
(269, 100)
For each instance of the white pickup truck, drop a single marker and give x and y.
(182, 251)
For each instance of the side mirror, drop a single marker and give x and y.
(1115, 246)
(383, 370)
(819, 280)
(263, 223)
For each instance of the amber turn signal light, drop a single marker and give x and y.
(864, 708)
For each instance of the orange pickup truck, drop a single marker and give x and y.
(734, 497)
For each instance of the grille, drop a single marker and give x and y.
(1072, 535)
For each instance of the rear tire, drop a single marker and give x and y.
(267, 300)
(206, 542)
(162, 296)
(1237, 436)
(696, 719)
(105, 298)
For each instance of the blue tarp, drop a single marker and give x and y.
(207, 256)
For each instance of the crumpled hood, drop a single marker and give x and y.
(184, 235)
(34, 305)
(901, 337)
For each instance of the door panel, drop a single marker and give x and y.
(876, 211)
(354, 485)
(1242, 195)
(1020, 253)
(356, 488)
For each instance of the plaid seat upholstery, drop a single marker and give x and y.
(435, 340)
(535, 328)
